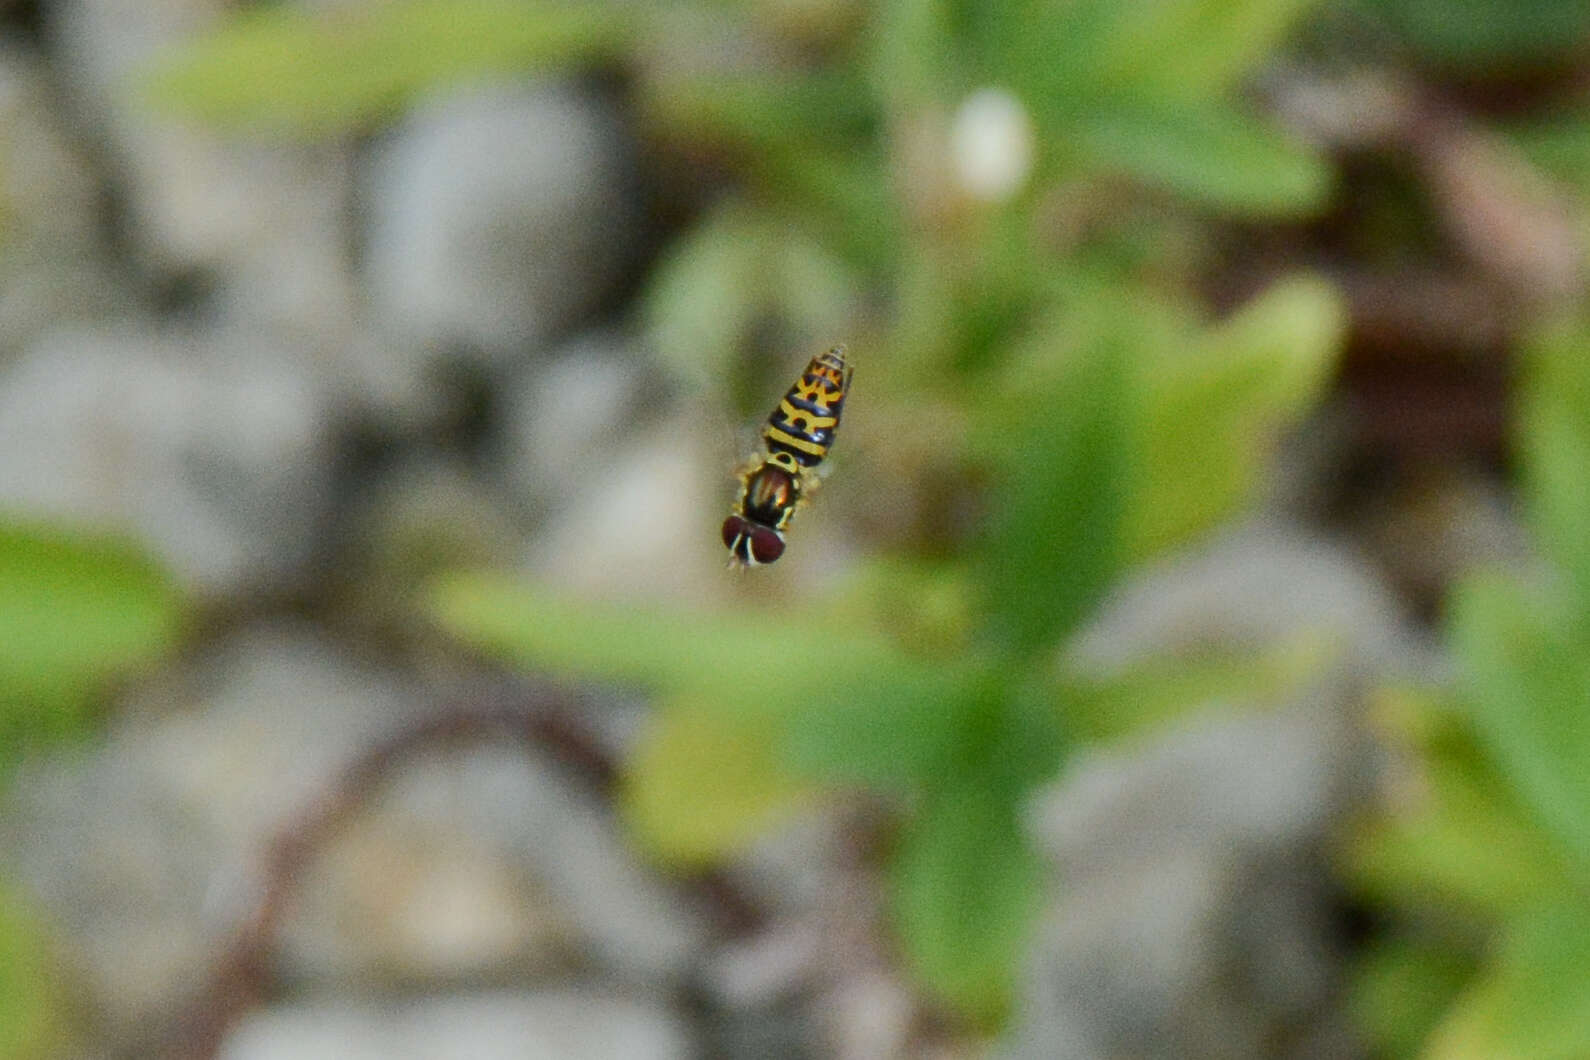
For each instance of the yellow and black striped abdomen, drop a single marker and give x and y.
(804, 423)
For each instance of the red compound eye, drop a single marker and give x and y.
(766, 545)
(735, 528)
(751, 543)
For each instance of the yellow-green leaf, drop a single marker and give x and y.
(744, 662)
(966, 889)
(35, 1019)
(588, 640)
(1527, 674)
(1214, 155)
(1555, 444)
(1055, 537)
(75, 610)
(319, 71)
(1402, 988)
(1534, 1002)
(1465, 846)
(1213, 409)
(703, 782)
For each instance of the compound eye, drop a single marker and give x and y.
(766, 545)
(734, 529)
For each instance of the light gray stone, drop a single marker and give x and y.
(564, 418)
(469, 864)
(262, 221)
(194, 199)
(647, 526)
(1250, 588)
(213, 447)
(499, 215)
(554, 1025)
(142, 850)
(54, 265)
(625, 918)
(1192, 908)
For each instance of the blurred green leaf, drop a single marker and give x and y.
(767, 111)
(1534, 1004)
(741, 661)
(34, 1019)
(1213, 411)
(1189, 49)
(1401, 990)
(1463, 845)
(1068, 56)
(1529, 682)
(319, 71)
(889, 735)
(704, 782)
(948, 720)
(1054, 540)
(1487, 33)
(1018, 740)
(966, 890)
(1294, 329)
(1555, 444)
(1215, 156)
(1178, 49)
(75, 610)
(1559, 143)
(807, 140)
(845, 200)
(573, 639)
(912, 46)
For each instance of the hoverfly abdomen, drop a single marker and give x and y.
(798, 435)
(804, 423)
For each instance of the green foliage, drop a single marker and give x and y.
(1529, 674)
(1403, 987)
(1467, 849)
(1533, 1001)
(1555, 447)
(75, 610)
(966, 889)
(305, 71)
(1217, 156)
(1215, 401)
(1146, 90)
(1486, 33)
(34, 1020)
(1068, 51)
(1054, 543)
(1558, 144)
(705, 782)
(1504, 833)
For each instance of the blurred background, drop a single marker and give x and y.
(1188, 654)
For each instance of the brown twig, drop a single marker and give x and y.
(541, 719)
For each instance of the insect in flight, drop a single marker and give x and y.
(797, 436)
